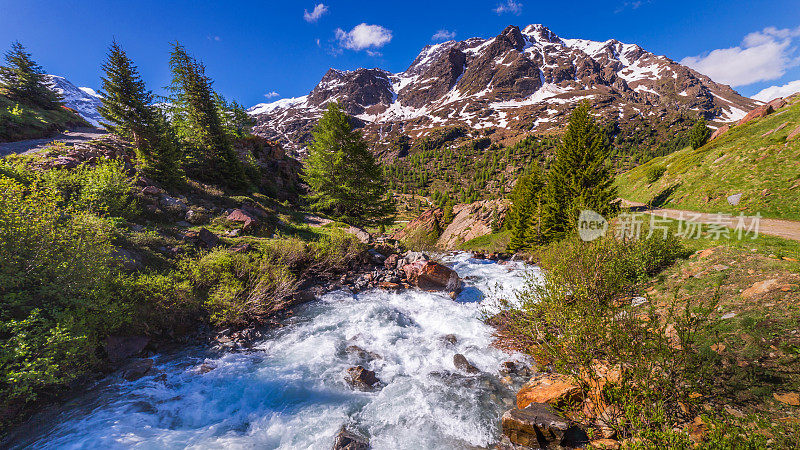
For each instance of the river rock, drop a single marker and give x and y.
(347, 440)
(119, 348)
(432, 276)
(391, 261)
(554, 389)
(361, 378)
(461, 363)
(539, 426)
(137, 369)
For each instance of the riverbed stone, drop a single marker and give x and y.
(137, 369)
(347, 440)
(539, 425)
(361, 378)
(462, 364)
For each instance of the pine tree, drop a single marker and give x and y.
(195, 114)
(128, 112)
(524, 216)
(343, 176)
(24, 80)
(580, 177)
(699, 134)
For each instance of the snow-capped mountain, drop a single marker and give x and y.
(83, 100)
(518, 81)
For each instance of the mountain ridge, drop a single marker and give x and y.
(518, 81)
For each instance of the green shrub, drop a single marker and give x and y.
(654, 173)
(55, 274)
(104, 189)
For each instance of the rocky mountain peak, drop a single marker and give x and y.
(518, 81)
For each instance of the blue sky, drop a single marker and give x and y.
(264, 50)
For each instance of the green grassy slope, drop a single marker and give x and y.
(765, 168)
(19, 122)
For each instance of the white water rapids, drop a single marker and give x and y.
(290, 393)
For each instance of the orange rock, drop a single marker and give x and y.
(608, 444)
(553, 389)
(760, 288)
(704, 253)
(761, 111)
(697, 429)
(789, 398)
(719, 132)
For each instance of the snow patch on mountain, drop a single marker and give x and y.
(83, 100)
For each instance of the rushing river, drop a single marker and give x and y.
(289, 391)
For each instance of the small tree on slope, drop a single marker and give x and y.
(580, 177)
(128, 112)
(342, 174)
(699, 134)
(24, 80)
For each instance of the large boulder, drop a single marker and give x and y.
(777, 103)
(119, 348)
(794, 133)
(719, 132)
(554, 389)
(538, 425)
(432, 276)
(247, 219)
(761, 111)
(137, 369)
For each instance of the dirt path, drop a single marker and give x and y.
(787, 229)
(70, 137)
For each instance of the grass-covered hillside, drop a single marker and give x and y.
(19, 121)
(754, 159)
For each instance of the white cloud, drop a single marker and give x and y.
(271, 94)
(778, 91)
(363, 36)
(315, 14)
(510, 6)
(213, 38)
(763, 55)
(443, 35)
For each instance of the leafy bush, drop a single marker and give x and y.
(104, 189)
(654, 173)
(581, 317)
(54, 277)
(239, 288)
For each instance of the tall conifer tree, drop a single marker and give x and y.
(197, 117)
(524, 217)
(24, 80)
(342, 173)
(128, 112)
(580, 177)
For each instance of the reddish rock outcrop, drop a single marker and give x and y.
(761, 111)
(719, 132)
(554, 389)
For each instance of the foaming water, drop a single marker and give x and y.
(289, 392)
